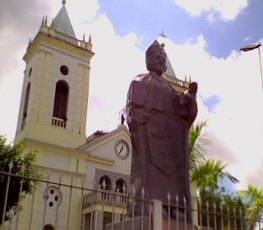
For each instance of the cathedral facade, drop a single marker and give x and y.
(52, 122)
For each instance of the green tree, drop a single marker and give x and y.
(208, 175)
(253, 200)
(22, 167)
(204, 172)
(196, 146)
(235, 208)
(242, 210)
(221, 210)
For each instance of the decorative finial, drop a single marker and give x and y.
(63, 2)
(83, 37)
(90, 39)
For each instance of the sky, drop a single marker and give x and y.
(203, 40)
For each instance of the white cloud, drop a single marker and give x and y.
(15, 31)
(236, 126)
(20, 21)
(228, 9)
(10, 91)
(116, 62)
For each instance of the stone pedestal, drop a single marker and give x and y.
(138, 222)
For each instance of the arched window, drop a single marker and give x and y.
(26, 100)
(49, 227)
(30, 72)
(24, 115)
(60, 104)
(105, 183)
(120, 186)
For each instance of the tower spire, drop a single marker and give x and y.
(61, 23)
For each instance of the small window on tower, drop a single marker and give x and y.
(60, 104)
(64, 70)
(30, 72)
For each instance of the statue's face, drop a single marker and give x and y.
(156, 62)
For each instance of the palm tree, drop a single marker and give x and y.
(253, 199)
(196, 145)
(208, 174)
(204, 172)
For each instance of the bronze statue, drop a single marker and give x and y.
(159, 119)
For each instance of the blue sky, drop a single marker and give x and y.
(203, 41)
(149, 17)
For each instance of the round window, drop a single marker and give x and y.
(64, 70)
(53, 196)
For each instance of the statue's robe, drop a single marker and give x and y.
(159, 119)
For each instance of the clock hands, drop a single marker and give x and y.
(121, 148)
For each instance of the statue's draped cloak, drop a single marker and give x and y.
(159, 119)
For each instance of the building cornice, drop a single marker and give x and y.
(38, 145)
(59, 40)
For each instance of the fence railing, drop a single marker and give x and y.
(63, 202)
(104, 197)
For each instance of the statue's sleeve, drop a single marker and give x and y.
(186, 107)
(138, 107)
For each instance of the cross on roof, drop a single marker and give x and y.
(162, 34)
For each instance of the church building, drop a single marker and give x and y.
(52, 121)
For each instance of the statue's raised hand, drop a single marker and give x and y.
(193, 88)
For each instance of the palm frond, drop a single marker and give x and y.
(208, 174)
(196, 145)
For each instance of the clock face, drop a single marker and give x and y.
(122, 149)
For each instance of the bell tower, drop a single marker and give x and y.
(54, 100)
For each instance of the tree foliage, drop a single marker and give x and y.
(22, 168)
(210, 173)
(196, 146)
(219, 209)
(206, 173)
(253, 201)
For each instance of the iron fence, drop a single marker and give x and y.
(63, 202)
